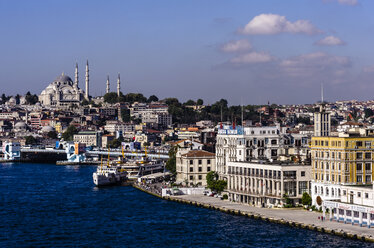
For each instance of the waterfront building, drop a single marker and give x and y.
(353, 204)
(89, 138)
(344, 159)
(269, 143)
(267, 184)
(192, 167)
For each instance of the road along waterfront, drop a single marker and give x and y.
(292, 217)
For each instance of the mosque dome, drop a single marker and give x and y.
(63, 79)
(47, 129)
(20, 124)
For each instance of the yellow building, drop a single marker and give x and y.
(345, 159)
(58, 127)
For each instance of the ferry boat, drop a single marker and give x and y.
(109, 175)
(137, 168)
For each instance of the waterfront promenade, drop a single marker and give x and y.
(299, 217)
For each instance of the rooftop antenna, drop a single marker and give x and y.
(242, 111)
(321, 92)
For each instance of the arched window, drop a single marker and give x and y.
(315, 189)
(327, 191)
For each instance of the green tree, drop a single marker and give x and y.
(111, 97)
(213, 183)
(85, 102)
(31, 99)
(68, 135)
(199, 102)
(368, 112)
(171, 163)
(115, 143)
(52, 134)
(125, 115)
(190, 102)
(30, 140)
(152, 98)
(306, 199)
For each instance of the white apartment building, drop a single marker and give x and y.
(252, 143)
(354, 204)
(115, 126)
(140, 109)
(265, 184)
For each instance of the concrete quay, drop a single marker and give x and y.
(298, 218)
(292, 217)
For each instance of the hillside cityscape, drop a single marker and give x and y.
(187, 123)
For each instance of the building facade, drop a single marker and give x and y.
(193, 166)
(267, 184)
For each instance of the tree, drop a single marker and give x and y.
(115, 143)
(30, 140)
(306, 199)
(52, 134)
(68, 135)
(111, 97)
(85, 102)
(213, 183)
(31, 99)
(368, 112)
(125, 115)
(199, 102)
(171, 163)
(152, 98)
(190, 103)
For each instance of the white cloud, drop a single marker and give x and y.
(343, 2)
(274, 24)
(330, 41)
(368, 69)
(252, 58)
(236, 46)
(317, 64)
(348, 2)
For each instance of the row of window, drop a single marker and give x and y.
(339, 143)
(200, 161)
(262, 172)
(200, 177)
(337, 178)
(338, 155)
(336, 192)
(326, 165)
(200, 169)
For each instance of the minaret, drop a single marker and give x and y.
(107, 85)
(87, 81)
(118, 85)
(76, 75)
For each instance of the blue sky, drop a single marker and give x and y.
(245, 51)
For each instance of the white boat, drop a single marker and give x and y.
(109, 175)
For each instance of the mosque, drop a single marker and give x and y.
(64, 93)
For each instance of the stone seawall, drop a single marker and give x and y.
(342, 231)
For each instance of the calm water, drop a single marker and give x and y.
(44, 205)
